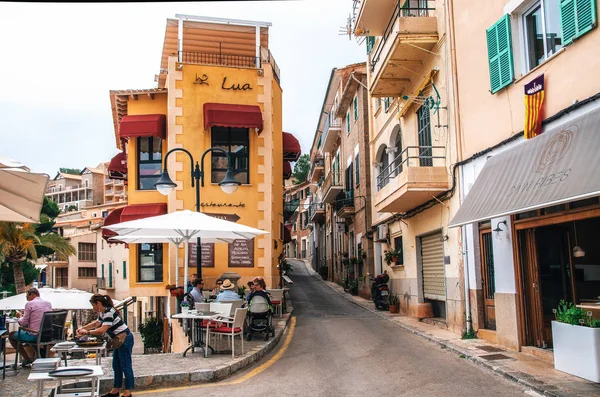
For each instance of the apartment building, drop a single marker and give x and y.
(76, 192)
(530, 212)
(413, 146)
(300, 245)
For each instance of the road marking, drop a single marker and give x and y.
(244, 378)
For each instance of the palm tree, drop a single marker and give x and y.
(17, 241)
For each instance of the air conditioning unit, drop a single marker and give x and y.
(382, 231)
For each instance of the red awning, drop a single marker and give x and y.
(227, 115)
(291, 147)
(287, 170)
(113, 217)
(118, 164)
(139, 211)
(287, 234)
(143, 125)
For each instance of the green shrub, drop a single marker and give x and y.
(151, 332)
(568, 313)
(324, 272)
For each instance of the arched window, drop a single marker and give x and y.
(399, 155)
(384, 172)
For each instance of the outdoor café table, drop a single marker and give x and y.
(100, 350)
(196, 332)
(94, 390)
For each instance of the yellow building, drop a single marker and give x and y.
(218, 86)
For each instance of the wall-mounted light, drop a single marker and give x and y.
(180, 66)
(498, 229)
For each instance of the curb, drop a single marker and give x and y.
(517, 377)
(149, 382)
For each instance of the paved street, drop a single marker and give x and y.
(338, 349)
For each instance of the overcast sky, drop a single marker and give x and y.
(59, 61)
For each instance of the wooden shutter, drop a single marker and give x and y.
(370, 43)
(500, 55)
(577, 17)
(434, 279)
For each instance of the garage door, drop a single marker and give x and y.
(432, 254)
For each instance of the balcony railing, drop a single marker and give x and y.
(219, 59)
(344, 199)
(398, 12)
(411, 156)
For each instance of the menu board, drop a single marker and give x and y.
(208, 255)
(241, 253)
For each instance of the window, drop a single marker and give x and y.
(150, 263)
(149, 161)
(235, 141)
(124, 269)
(87, 252)
(355, 105)
(86, 272)
(425, 148)
(62, 277)
(357, 170)
(398, 247)
(541, 28)
(348, 122)
(500, 56)
(104, 214)
(370, 43)
(377, 104)
(386, 103)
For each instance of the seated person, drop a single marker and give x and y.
(217, 289)
(227, 293)
(259, 289)
(196, 292)
(250, 289)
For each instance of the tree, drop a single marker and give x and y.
(72, 171)
(301, 169)
(18, 242)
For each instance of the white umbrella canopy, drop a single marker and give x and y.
(60, 298)
(21, 192)
(186, 224)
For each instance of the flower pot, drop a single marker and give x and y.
(394, 309)
(577, 350)
(394, 259)
(185, 309)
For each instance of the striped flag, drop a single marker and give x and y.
(534, 107)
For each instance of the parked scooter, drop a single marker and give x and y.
(380, 291)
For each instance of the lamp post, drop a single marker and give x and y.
(165, 185)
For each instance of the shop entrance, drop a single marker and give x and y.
(487, 279)
(550, 272)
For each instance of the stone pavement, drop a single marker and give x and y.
(525, 369)
(163, 370)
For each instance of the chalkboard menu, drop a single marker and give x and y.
(208, 255)
(241, 253)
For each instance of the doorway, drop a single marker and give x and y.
(487, 279)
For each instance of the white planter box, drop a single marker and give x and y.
(577, 350)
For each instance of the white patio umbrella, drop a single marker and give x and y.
(60, 298)
(184, 224)
(21, 192)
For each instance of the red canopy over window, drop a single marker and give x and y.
(139, 211)
(113, 217)
(291, 147)
(143, 125)
(118, 164)
(227, 115)
(287, 170)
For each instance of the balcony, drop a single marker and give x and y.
(415, 176)
(332, 186)
(402, 48)
(316, 213)
(331, 133)
(289, 208)
(344, 204)
(317, 168)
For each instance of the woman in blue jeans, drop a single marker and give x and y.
(110, 322)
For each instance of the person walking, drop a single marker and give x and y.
(110, 322)
(30, 319)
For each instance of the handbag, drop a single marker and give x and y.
(118, 340)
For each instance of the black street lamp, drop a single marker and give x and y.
(165, 185)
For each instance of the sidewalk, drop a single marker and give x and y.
(163, 370)
(522, 368)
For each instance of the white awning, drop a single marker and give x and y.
(41, 267)
(559, 166)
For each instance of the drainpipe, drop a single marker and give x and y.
(465, 258)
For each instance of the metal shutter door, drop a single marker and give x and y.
(432, 254)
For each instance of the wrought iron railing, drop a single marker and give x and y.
(424, 155)
(314, 207)
(399, 11)
(219, 59)
(344, 199)
(332, 179)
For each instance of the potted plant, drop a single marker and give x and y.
(242, 291)
(354, 260)
(394, 302)
(353, 286)
(151, 332)
(391, 256)
(575, 336)
(363, 254)
(185, 307)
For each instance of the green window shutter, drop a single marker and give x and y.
(355, 108)
(124, 269)
(348, 122)
(103, 270)
(500, 55)
(110, 274)
(577, 17)
(370, 43)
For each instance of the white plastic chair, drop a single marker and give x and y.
(277, 300)
(222, 308)
(230, 328)
(235, 304)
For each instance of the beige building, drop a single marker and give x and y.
(413, 143)
(531, 213)
(299, 246)
(76, 192)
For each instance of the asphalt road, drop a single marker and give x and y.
(340, 349)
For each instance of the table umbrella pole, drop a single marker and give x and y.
(185, 268)
(176, 265)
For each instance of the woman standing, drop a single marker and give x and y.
(110, 322)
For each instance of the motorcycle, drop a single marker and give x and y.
(380, 291)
